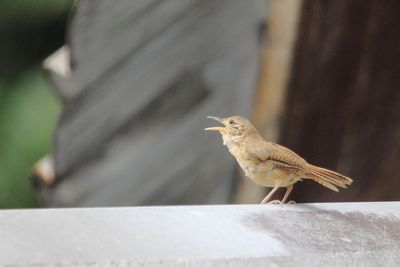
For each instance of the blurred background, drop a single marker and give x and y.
(115, 115)
(29, 32)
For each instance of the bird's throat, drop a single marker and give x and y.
(231, 140)
(224, 139)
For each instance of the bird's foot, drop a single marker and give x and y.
(275, 202)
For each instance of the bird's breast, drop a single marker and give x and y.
(264, 173)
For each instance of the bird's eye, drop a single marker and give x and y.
(231, 122)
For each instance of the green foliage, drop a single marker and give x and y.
(28, 112)
(12, 9)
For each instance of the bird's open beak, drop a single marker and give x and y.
(219, 129)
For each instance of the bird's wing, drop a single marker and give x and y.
(280, 156)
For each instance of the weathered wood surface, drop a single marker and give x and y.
(343, 108)
(351, 234)
(144, 74)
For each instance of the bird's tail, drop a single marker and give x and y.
(327, 178)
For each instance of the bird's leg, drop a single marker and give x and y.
(265, 200)
(289, 189)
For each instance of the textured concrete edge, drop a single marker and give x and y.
(376, 207)
(367, 258)
(373, 254)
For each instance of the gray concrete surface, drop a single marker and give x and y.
(351, 234)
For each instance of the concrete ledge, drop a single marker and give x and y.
(347, 234)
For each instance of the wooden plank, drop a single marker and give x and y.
(144, 74)
(343, 103)
(351, 234)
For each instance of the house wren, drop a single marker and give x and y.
(269, 164)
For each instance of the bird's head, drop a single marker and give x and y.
(235, 129)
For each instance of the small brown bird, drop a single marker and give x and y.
(269, 164)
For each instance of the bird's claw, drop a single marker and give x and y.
(277, 202)
(274, 202)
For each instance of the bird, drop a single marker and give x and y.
(269, 164)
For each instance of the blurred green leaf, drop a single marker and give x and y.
(10, 9)
(28, 112)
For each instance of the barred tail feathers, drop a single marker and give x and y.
(327, 178)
